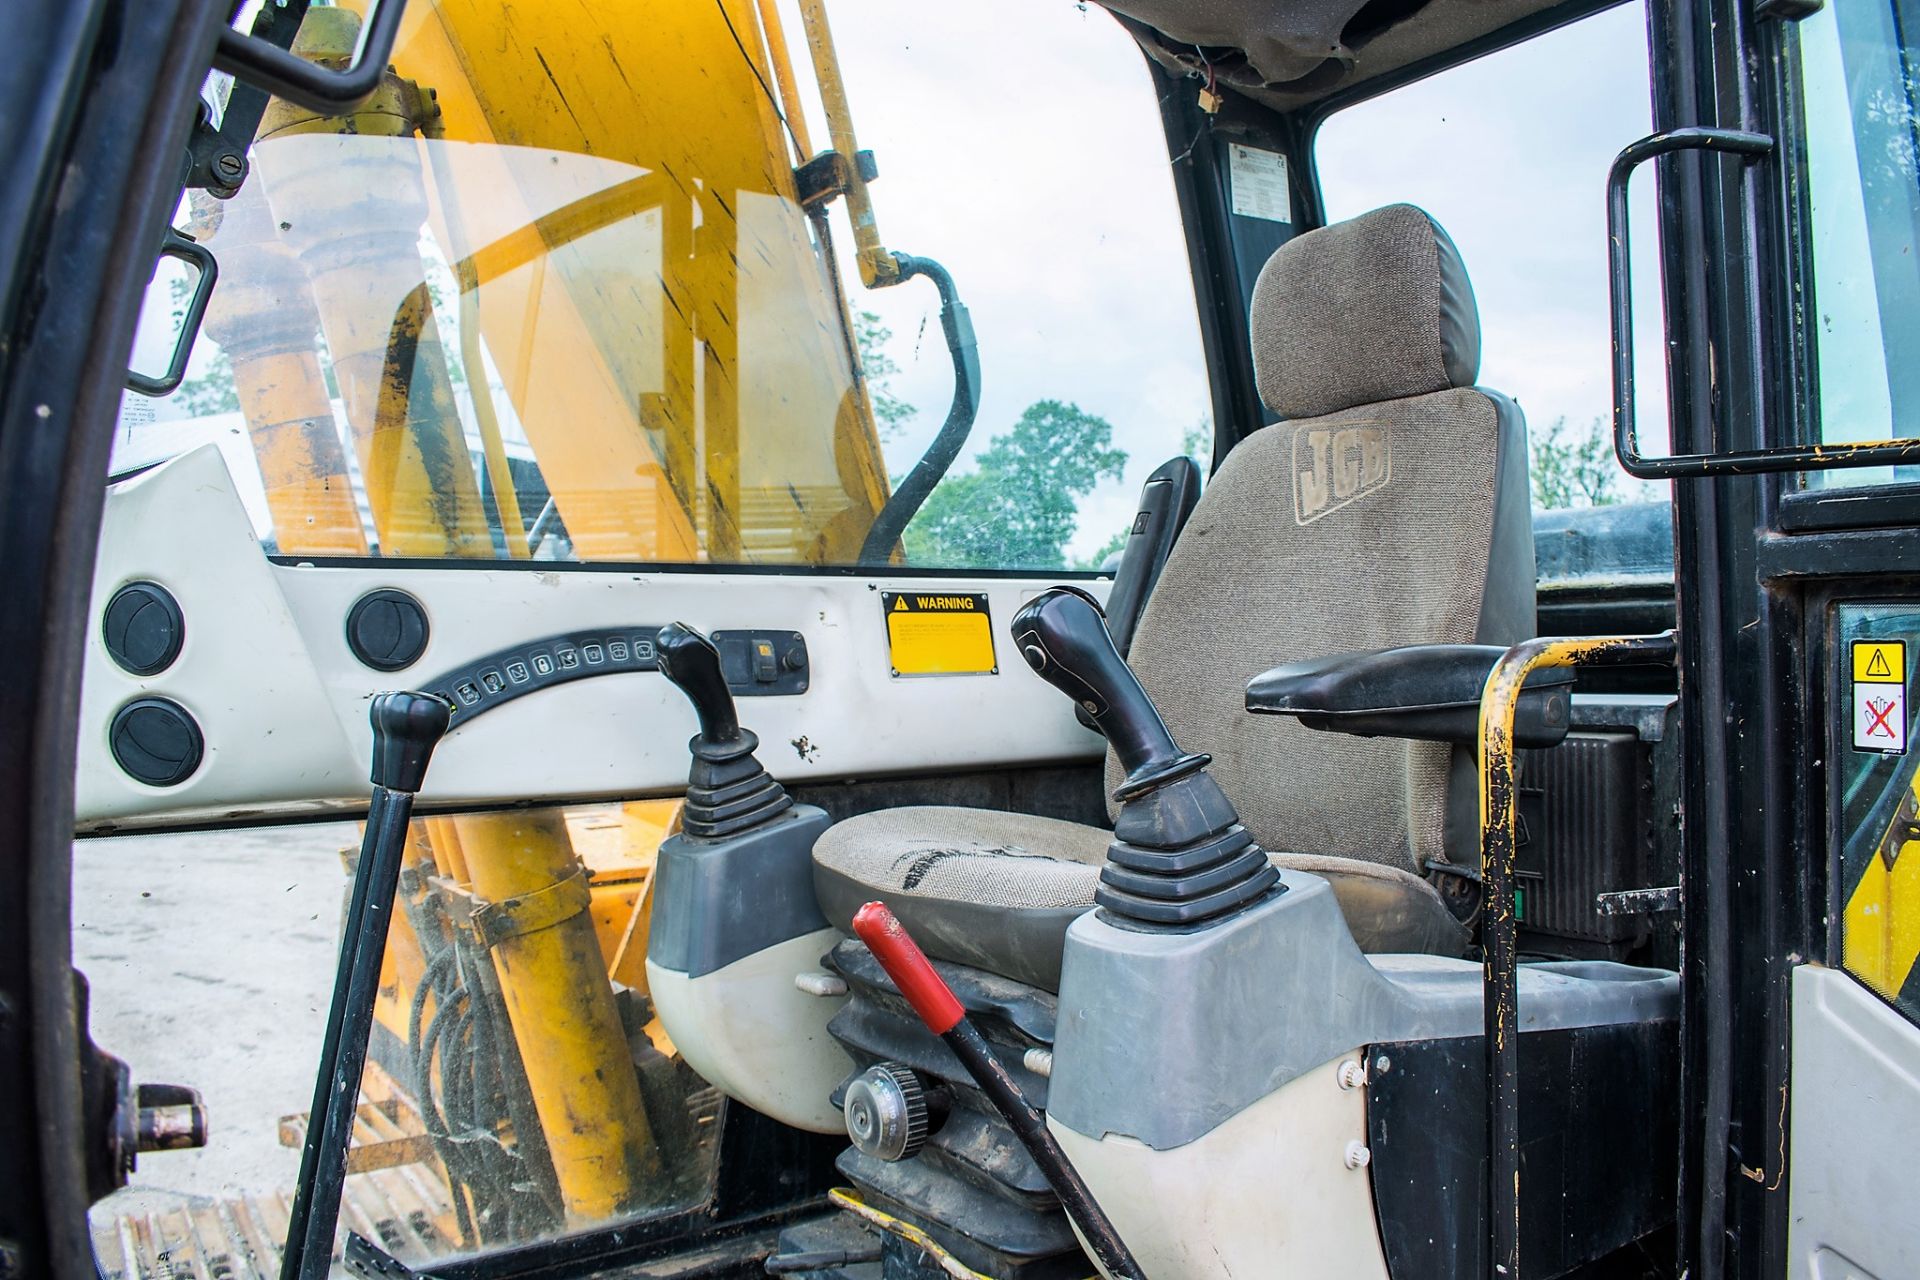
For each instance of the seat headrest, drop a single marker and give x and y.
(1375, 308)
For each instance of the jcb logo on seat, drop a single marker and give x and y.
(1335, 466)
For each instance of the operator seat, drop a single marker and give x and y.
(1391, 507)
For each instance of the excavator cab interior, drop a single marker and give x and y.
(1189, 639)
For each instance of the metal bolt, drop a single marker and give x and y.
(1381, 1064)
(1357, 1155)
(1038, 1061)
(1352, 1074)
(820, 984)
(230, 164)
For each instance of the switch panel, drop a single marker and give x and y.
(762, 663)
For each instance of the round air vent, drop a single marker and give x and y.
(156, 742)
(387, 629)
(143, 628)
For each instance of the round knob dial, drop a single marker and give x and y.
(887, 1112)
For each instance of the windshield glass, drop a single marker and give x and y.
(554, 297)
(1547, 116)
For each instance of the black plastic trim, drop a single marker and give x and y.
(876, 573)
(149, 604)
(394, 652)
(156, 741)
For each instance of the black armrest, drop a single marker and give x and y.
(1426, 691)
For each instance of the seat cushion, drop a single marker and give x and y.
(998, 890)
(975, 886)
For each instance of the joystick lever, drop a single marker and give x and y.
(1062, 634)
(727, 790)
(1179, 854)
(692, 663)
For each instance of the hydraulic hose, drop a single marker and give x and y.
(912, 493)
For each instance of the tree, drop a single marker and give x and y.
(1196, 442)
(1098, 560)
(870, 336)
(1573, 468)
(1018, 506)
(211, 390)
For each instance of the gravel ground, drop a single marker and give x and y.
(211, 963)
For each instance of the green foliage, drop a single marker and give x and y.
(1575, 468)
(890, 412)
(1017, 507)
(212, 390)
(1197, 442)
(1098, 560)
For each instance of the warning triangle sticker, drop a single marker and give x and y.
(900, 605)
(1877, 665)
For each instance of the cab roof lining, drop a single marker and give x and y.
(1293, 53)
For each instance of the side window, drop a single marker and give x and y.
(1509, 153)
(211, 960)
(1859, 85)
(470, 321)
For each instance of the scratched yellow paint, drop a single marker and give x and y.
(1882, 922)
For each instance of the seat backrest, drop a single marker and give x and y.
(1389, 507)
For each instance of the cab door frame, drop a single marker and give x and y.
(1758, 562)
(86, 189)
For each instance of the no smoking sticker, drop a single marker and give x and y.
(1880, 696)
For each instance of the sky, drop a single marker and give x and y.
(1019, 142)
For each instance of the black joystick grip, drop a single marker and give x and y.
(692, 663)
(406, 728)
(1063, 636)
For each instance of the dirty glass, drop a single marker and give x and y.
(1859, 87)
(1509, 153)
(211, 960)
(552, 293)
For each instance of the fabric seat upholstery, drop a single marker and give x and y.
(1390, 506)
(997, 890)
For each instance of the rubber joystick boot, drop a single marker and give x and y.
(727, 790)
(1179, 854)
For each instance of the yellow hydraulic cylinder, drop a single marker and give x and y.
(560, 1003)
(348, 194)
(668, 334)
(262, 316)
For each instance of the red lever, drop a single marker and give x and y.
(909, 968)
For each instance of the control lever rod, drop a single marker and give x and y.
(1062, 634)
(944, 1015)
(406, 728)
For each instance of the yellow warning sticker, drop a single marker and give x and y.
(939, 634)
(1880, 661)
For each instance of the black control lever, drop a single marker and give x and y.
(692, 663)
(1062, 634)
(406, 728)
(1179, 854)
(727, 790)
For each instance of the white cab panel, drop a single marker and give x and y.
(755, 1036)
(283, 703)
(1268, 1193)
(1855, 1111)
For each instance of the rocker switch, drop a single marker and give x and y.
(766, 668)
